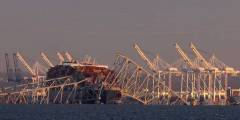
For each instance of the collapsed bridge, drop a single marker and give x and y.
(127, 79)
(199, 81)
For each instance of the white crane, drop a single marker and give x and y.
(153, 65)
(202, 59)
(215, 78)
(184, 56)
(46, 59)
(69, 56)
(61, 58)
(27, 66)
(194, 70)
(187, 60)
(222, 66)
(145, 58)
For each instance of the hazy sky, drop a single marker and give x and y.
(101, 27)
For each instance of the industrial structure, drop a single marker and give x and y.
(193, 81)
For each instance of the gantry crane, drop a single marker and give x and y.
(187, 60)
(27, 66)
(190, 76)
(215, 76)
(61, 58)
(222, 66)
(184, 56)
(46, 59)
(153, 65)
(227, 71)
(69, 56)
(145, 58)
(157, 61)
(206, 65)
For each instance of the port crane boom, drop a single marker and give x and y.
(184, 56)
(69, 56)
(144, 57)
(61, 58)
(27, 66)
(199, 56)
(46, 59)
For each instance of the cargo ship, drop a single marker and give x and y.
(92, 91)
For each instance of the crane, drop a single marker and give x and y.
(202, 59)
(61, 58)
(26, 65)
(45, 58)
(197, 70)
(222, 66)
(34, 72)
(145, 58)
(184, 56)
(186, 59)
(153, 65)
(214, 78)
(69, 56)
(157, 61)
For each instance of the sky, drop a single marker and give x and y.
(100, 28)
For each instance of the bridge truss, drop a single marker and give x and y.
(135, 82)
(63, 90)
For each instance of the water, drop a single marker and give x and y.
(117, 112)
